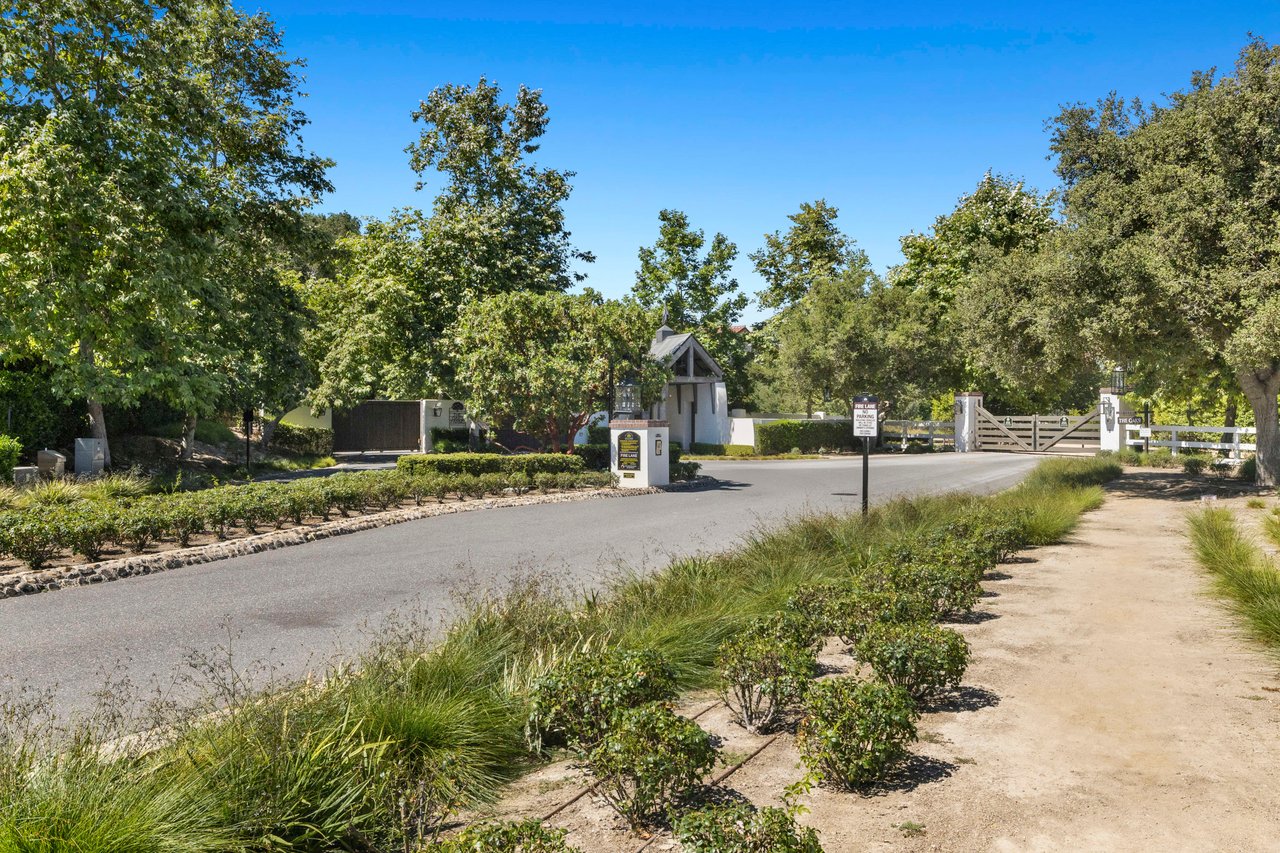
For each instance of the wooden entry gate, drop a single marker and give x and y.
(378, 425)
(1039, 433)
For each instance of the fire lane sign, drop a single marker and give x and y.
(865, 419)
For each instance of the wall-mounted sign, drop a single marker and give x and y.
(457, 415)
(629, 451)
(1062, 421)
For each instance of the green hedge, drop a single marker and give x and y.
(594, 456)
(809, 436)
(304, 441)
(62, 517)
(10, 450)
(529, 464)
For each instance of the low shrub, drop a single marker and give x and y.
(524, 836)
(1248, 470)
(648, 760)
(475, 464)
(187, 516)
(544, 481)
(141, 524)
(804, 436)
(854, 733)
(921, 658)
(789, 626)
(519, 483)
(10, 451)
(1195, 464)
(848, 610)
(496, 484)
(89, 527)
(742, 828)
(444, 440)
(302, 441)
(31, 537)
(761, 678)
(574, 702)
(683, 471)
(703, 449)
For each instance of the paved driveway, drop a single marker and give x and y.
(297, 607)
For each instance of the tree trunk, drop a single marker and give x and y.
(1233, 412)
(97, 422)
(1261, 388)
(189, 422)
(98, 429)
(269, 431)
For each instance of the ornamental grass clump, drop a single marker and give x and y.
(574, 703)
(762, 678)
(649, 759)
(742, 828)
(854, 733)
(921, 658)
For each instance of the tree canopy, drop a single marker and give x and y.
(544, 362)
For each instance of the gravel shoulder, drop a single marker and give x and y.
(1112, 704)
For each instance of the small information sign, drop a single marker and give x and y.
(629, 451)
(1145, 432)
(865, 419)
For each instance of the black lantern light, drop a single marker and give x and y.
(626, 398)
(1117, 379)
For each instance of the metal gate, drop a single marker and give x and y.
(378, 425)
(1038, 433)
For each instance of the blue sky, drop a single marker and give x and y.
(738, 112)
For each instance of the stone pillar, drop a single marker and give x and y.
(640, 453)
(967, 403)
(1112, 412)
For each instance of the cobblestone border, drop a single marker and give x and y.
(31, 583)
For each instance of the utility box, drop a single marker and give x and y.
(51, 463)
(26, 475)
(91, 456)
(640, 453)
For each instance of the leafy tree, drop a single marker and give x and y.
(698, 292)
(1000, 216)
(1171, 260)
(132, 134)
(497, 226)
(499, 220)
(813, 248)
(543, 361)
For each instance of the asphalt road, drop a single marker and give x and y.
(296, 608)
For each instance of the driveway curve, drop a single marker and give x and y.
(294, 609)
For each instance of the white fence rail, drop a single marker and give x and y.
(931, 432)
(1232, 438)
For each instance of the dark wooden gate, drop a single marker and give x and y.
(1038, 433)
(378, 425)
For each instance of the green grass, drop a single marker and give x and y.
(293, 463)
(1271, 526)
(1242, 573)
(388, 746)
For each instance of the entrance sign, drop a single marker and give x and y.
(865, 418)
(629, 451)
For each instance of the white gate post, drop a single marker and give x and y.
(1111, 432)
(967, 403)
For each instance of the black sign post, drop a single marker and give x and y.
(866, 424)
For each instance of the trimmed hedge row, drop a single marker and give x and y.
(529, 464)
(304, 441)
(38, 533)
(723, 449)
(809, 436)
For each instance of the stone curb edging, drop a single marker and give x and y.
(31, 583)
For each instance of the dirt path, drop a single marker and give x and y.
(1111, 705)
